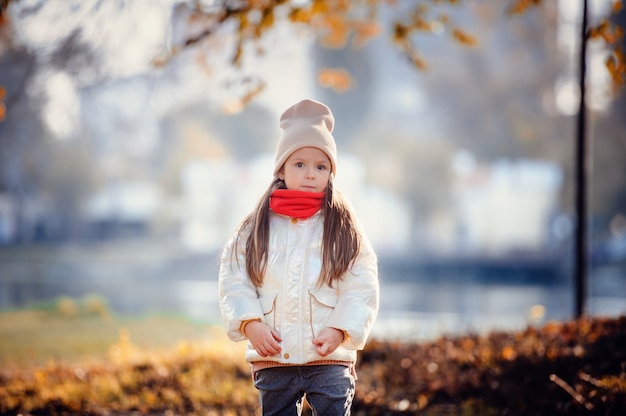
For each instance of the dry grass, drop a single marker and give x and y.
(79, 330)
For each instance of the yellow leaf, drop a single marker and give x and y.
(243, 22)
(617, 6)
(337, 79)
(298, 15)
(611, 64)
(520, 6)
(418, 61)
(599, 31)
(422, 401)
(508, 353)
(340, 6)
(422, 25)
(267, 20)
(364, 31)
(237, 105)
(319, 7)
(338, 30)
(464, 38)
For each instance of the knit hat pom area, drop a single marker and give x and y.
(307, 123)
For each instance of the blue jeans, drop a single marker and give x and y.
(329, 389)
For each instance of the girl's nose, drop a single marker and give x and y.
(310, 173)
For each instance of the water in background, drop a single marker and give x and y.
(419, 300)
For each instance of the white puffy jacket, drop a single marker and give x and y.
(290, 300)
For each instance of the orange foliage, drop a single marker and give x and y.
(464, 38)
(237, 105)
(364, 31)
(616, 65)
(500, 373)
(337, 79)
(551, 370)
(337, 22)
(336, 30)
(612, 35)
(520, 6)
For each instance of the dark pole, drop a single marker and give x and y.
(582, 169)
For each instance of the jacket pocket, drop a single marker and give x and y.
(268, 305)
(321, 303)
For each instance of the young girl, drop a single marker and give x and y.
(299, 279)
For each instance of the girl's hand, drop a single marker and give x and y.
(264, 339)
(328, 340)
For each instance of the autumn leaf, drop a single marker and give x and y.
(520, 6)
(599, 30)
(319, 7)
(423, 25)
(508, 353)
(337, 79)
(267, 21)
(464, 38)
(237, 105)
(616, 69)
(238, 54)
(299, 15)
(400, 32)
(337, 27)
(364, 31)
(258, 4)
(418, 61)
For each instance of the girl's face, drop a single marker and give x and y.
(307, 169)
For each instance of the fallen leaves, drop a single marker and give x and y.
(559, 369)
(501, 373)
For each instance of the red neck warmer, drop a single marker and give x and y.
(296, 204)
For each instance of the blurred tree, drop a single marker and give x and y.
(47, 179)
(338, 24)
(507, 86)
(608, 133)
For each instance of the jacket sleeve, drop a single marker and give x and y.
(238, 299)
(357, 303)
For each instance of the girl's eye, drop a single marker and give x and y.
(299, 164)
(321, 167)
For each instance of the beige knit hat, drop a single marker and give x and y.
(307, 123)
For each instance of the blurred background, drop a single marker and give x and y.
(134, 138)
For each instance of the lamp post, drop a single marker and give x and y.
(582, 176)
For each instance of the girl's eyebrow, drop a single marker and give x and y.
(297, 159)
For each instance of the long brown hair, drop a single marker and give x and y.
(341, 241)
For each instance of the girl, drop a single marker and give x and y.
(299, 279)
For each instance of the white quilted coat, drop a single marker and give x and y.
(290, 300)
